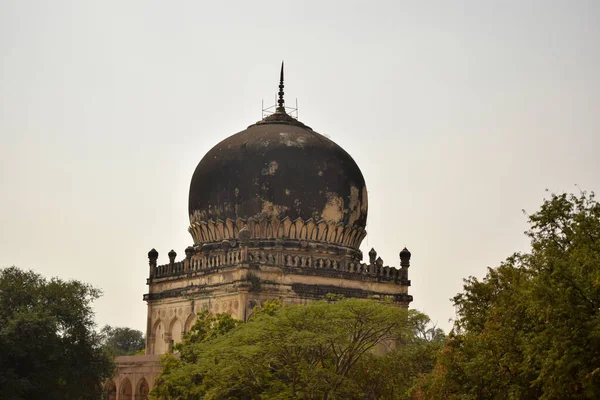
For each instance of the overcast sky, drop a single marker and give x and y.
(460, 114)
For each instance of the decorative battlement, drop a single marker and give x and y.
(300, 260)
(264, 228)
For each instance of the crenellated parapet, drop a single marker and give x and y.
(265, 228)
(302, 258)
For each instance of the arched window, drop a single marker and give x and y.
(125, 391)
(159, 339)
(176, 330)
(142, 390)
(191, 320)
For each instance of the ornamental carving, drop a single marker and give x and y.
(321, 231)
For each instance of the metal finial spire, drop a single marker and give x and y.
(281, 102)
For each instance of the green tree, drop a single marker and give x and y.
(208, 327)
(118, 341)
(531, 327)
(48, 347)
(393, 374)
(181, 375)
(315, 351)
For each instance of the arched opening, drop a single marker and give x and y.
(142, 390)
(191, 320)
(125, 390)
(176, 329)
(159, 339)
(110, 391)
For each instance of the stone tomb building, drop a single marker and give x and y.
(277, 211)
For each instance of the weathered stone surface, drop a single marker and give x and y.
(134, 377)
(277, 211)
(277, 170)
(265, 228)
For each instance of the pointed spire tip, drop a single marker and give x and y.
(281, 101)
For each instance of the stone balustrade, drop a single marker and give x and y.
(290, 261)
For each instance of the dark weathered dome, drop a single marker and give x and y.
(278, 168)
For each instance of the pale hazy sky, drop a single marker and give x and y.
(459, 113)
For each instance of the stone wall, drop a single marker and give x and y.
(134, 377)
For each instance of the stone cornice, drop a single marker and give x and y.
(320, 291)
(316, 291)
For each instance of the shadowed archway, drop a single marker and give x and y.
(142, 390)
(125, 391)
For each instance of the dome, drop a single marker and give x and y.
(278, 169)
(278, 180)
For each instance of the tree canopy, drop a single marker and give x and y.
(348, 349)
(48, 347)
(120, 341)
(531, 327)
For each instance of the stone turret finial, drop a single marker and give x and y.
(172, 256)
(405, 257)
(372, 256)
(281, 101)
(189, 252)
(153, 256)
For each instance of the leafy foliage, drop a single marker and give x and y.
(208, 327)
(48, 347)
(118, 341)
(323, 350)
(531, 327)
(393, 374)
